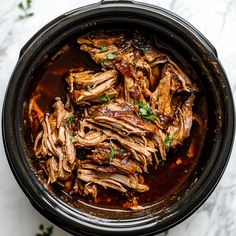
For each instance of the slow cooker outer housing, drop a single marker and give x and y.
(82, 20)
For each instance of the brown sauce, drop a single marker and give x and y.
(166, 181)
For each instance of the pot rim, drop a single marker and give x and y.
(56, 209)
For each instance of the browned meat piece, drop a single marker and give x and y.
(163, 93)
(171, 82)
(87, 78)
(35, 113)
(70, 151)
(52, 169)
(85, 86)
(55, 140)
(186, 83)
(159, 138)
(110, 94)
(137, 73)
(60, 113)
(103, 47)
(91, 189)
(112, 180)
(121, 117)
(101, 39)
(91, 139)
(146, 47)
(128, 86)
(105, 59)
(90, 165)
(88, 139)
(126, 165)
(79, 96)
(132, 203)
(101, 153)
(181, 126)
(141, 151)
(121, 160)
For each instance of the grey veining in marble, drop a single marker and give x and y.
(216, 19)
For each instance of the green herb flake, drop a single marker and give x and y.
(28, 2)
(45, 232)
(122, 150)
(25, 8)
(143, 111)
(102, 60)
(50, 230)
(21, 6)
(102, 131)
(30, 14)
(117, 130)
(112, 154)
(136, 101)
(150, 117)
(71, 136)
(143, 49)
(168, 140)
(104, 49)
(111, 56)
(70, 118)
(41, 227)
(105, 98)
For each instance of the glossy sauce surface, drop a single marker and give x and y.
(168, 180)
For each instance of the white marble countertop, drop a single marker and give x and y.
(216, 19)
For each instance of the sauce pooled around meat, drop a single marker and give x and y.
(119, 131)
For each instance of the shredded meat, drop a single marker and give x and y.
(85, 86)
(117, 122)
(121, 117)
(112, 180)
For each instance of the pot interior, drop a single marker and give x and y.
(173, 185)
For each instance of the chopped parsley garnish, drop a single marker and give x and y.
(145, 110)
(168, 140)
(45, 231)
(105, 98)
(25, 8)
(102, 60)
(103, 49)
(122, 150)
(112, 154)
(110, 56)
(102, 131)
(136, 101)
(70, 118)
(143, 49)
(116, 129)
(71, 136)
(150, 117)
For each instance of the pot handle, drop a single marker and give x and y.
(116, 1)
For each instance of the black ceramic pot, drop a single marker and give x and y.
(175, 32)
